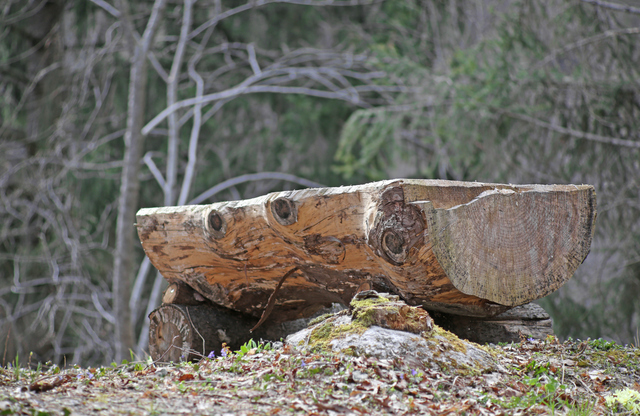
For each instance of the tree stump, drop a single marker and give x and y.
(467, 248)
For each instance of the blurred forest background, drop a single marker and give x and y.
(107, 106)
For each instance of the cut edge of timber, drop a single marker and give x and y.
(494, 249)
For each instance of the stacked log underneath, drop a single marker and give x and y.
(528, 321)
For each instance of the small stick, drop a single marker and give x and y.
(196, 329)
(272, 300)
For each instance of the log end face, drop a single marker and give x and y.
(514, 247)
(169, 334)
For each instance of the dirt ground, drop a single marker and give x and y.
(532, 377)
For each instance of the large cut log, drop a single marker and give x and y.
(467, 248)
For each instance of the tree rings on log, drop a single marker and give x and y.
(186, 333)
(505, 245)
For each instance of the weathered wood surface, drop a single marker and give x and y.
(526, 321)
(468, 248)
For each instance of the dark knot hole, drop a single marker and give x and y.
(215, 221)
(282, 208)
(393, 242)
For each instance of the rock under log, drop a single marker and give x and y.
(466, 248)
(526, 321)
(382, 326)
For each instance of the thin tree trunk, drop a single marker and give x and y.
(172, 98)
(130, 186)
(172, 156)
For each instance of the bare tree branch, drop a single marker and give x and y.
(156, 291)
(22, 15)
(154, 297)
(29, 51)
(39, 76)
(103, 313)
(107, 7)
(572, 132)
(614, 6)
(197, 122)
(243, 89)
(130, 183)
(252, 59)
(586, 41)
(154, 169)
(252, 4)
(136, 292)
(172, 97)
(172, 152)
(132, 34)
(250, 178)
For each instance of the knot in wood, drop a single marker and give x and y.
(284, 211)
(392, 242)
(215, 224)
(215, 221)
(397, 228)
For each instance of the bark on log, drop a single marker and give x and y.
(526, 321)
(472, 249)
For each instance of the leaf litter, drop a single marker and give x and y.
(531, 377)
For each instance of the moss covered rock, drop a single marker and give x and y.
(382, 326)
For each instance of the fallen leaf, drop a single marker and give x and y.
(186, 377)
(49, 383)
